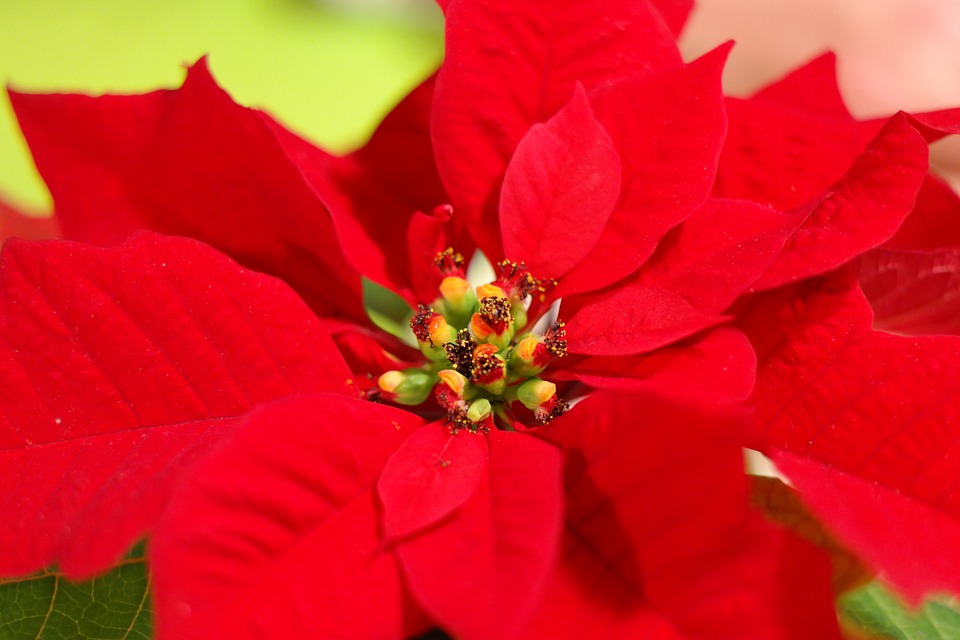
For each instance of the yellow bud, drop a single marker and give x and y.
(454, 288)
(490, 291)
(390, 380)
(453, 379)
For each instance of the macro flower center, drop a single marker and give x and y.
(482, 364)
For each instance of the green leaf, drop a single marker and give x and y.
(875, 609)
(388, 311)
(46, 606)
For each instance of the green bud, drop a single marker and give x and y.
(410, 386)
(479, 410)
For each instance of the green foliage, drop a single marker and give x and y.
(46, 606)
(388, 311)
(876, 610)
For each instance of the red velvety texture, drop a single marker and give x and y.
(862, 210)
(717, 253)
(668, 128)
(630, 319)
(374, 196)
(559, 190)
(861, 422)
(121, 366)
(659, 539)
(911, 292)
(274, 534)
(430, 476)
(511, 66)
(481, 572)
(188, 162)
(714, 367)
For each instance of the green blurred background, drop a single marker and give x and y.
(329, 71)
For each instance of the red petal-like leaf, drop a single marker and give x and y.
(674, 12)
(431, 475)
(861, 211)
(913, 293)
(720, 365)
(189, 162)
(631, 319)
(481, 572)
(275, 533)
(373, 193)
(717, 253)
(559, 190)
(861, 422)
(117, 368)
(812, 87)
(668, 128)
(810, 151)
(660, 541)
(934, 223)
(510, 66)
(14, 224)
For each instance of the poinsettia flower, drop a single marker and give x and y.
(590, 155)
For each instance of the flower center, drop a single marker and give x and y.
(481, 365)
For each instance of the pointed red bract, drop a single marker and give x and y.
(810, 151)
(431, 475)
(913, 293)
(559, 190)
(481, 572)
(373, 193)
(719, 366)
(862, 423)
(510, 66)
(934, 223)
(674, 13)
(660, 541)
(188, 162)
(631, 319)
(668, 128)
(717, 253)
(118, 368)
(861, 211)
(275, 533)
(811, 88)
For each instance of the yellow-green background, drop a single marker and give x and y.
(327, 72)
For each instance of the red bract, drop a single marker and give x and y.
(162, 388)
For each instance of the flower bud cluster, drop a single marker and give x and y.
(480, 366)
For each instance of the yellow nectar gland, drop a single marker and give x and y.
(475, 369)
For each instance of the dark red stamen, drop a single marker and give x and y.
(552, 408)
(450, 263)
(555, 339)
(420, 323)
(487, 367)
(460, 353)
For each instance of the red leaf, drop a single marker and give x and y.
(861, 211)
(431, 475)
(188, 162)
(720, 366)
(668, 128)
(14, 224)
(674, 13)
(812, 87)
(660, 541)
(934, 223)
(717, 253)
(861, 422)
(559, 190)
(374, 194)
(510, 66)
(275, 533)
(810, 151)
(631, 319)
(481, 572)
(119, 367)
(913, 293)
